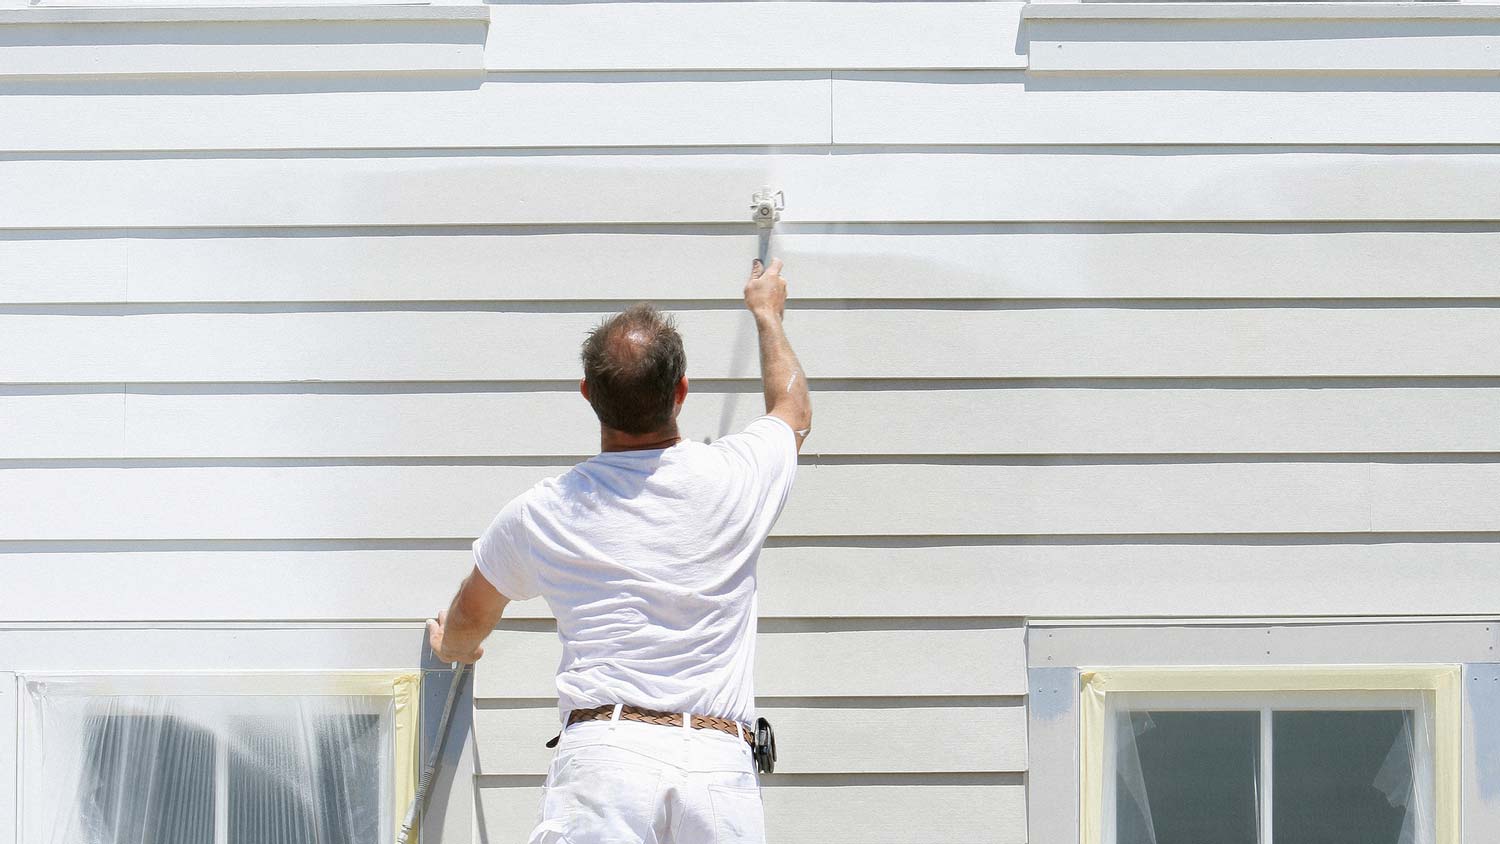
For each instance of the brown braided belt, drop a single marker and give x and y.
(665, 719)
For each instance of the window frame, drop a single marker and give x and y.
(402, 687)
(1433, 691)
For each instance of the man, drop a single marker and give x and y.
(646, 554)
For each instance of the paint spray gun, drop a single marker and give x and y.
(765, 210)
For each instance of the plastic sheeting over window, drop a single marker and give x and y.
(1334, 777)
(213, 761)
(1187, 777)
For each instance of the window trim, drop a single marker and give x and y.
(403, 687)
(1442, 682)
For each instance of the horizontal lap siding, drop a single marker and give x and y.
(803, 660)
(1194, 576)
(1180, 343)
(516, 110)
(176, 42)
(292, 421)
(1025, 496)
(722, 35)
(92, 344)
(998, 262)
(713, 186)
(1265, 46)
(985, 107)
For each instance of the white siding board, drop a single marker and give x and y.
(62, 424)
(283, 422)
(908, 812)
(852, 342)
(507, 111)
(937, 262)
(522, 266)
(231, 585)
(719, 35)
(931, 578)
(1440, 496)
(910, 661)
(1215, 184)
(1188, 577)
(97, 48)
(882, 736)
(1013, 108)
(348, 647)
(62, 270)
(895, 498)
(1263, 46)
(1264, 644)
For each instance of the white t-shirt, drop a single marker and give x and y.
(647, 559)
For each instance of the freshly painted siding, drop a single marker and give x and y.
(1160, 326)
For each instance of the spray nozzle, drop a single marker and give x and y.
(765, 207)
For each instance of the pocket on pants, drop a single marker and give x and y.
(738, 817)
(601, 801)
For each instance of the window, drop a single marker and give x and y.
(201, 759)
(1270, 756)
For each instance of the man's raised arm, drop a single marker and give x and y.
(781, 375)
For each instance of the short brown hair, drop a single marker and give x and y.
(632, 362)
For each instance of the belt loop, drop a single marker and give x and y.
(687, 726)
(739, 730)
(614, 717)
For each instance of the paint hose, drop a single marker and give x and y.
(419, 800)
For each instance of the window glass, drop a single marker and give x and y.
(1343, 777)
(1187, 777)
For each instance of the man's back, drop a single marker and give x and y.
(647, 560)
(647, 555)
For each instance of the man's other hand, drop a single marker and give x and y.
(435, 630)
(765, 292)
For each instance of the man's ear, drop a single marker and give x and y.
(682, 390)
(583, 388)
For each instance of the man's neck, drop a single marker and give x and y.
(612, 440)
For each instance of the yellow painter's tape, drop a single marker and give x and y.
(407, 733)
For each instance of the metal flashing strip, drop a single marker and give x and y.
(10, 762)
(1442, 681)
(241, 14)
(197, 683)
(1048, 11)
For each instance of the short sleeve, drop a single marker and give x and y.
(503, 553)
(769, 448)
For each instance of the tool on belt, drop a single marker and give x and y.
(762, 740)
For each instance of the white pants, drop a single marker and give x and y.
(625, 782)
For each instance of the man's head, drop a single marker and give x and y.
(633, 370)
